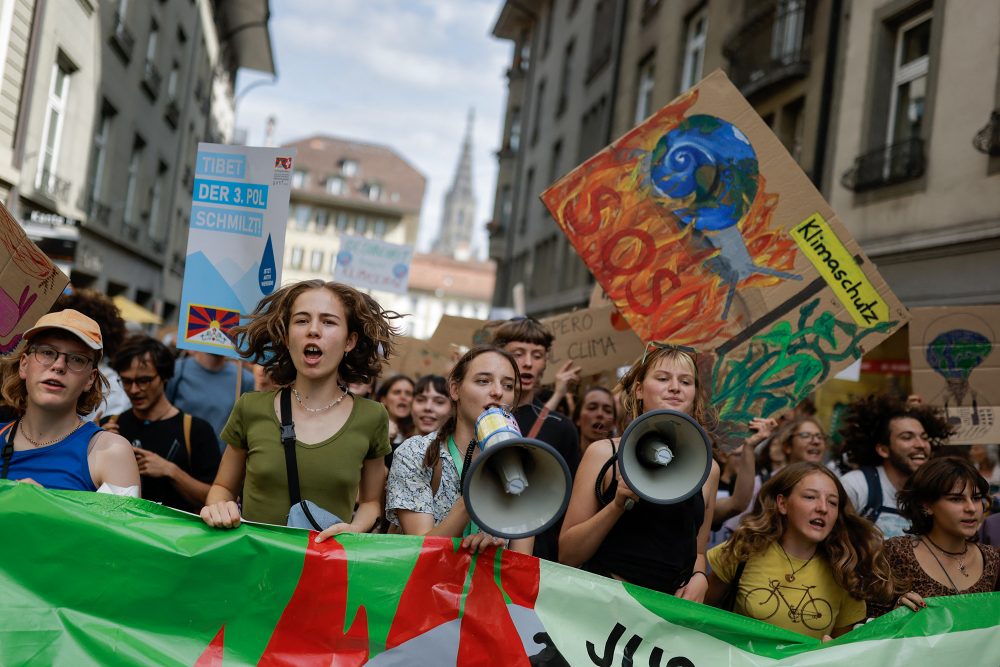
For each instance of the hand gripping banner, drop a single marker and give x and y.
(89, 579)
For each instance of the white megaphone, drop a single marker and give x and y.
(517, 486)
(665, 456)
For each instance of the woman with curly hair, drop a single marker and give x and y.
(944, 502)
(313, 338)
(888, 439)
(803, 559)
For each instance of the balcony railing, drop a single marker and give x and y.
(121, 37)
(896, 163)
(53, 186)
(97, 211)
(151, 79)
(772, 45)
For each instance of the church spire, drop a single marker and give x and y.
(459, 212)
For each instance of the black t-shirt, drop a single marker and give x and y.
(559, 432)
(166, 438)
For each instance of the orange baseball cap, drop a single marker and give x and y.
(72, 321)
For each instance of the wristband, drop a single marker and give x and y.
(701, 572)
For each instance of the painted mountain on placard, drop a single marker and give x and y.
(248, 288)
(209, 288)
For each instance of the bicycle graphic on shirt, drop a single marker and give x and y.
(814, 613)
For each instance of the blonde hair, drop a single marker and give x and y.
(632, 407)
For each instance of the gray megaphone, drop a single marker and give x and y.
(516, 487)
(665, 456)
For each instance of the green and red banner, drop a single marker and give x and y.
(90, 579)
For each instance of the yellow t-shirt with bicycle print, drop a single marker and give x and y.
(813, 604)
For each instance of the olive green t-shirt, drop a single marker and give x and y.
(329, 471)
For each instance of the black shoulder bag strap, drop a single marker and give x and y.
(728, 601)
(8, 448)
(288, 440)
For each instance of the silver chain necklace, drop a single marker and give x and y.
(298, 399)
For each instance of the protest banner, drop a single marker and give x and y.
(110, 580)
(436, 355)
(236, 241)
(596, 339)
(29, 283)
(373, 264)
(955, 361)
(704, 232)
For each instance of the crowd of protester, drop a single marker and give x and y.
(783, 529)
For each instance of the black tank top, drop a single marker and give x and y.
(651, 545)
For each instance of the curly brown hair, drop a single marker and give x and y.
(100, 308)
(853, 549)
(866, 424)
(264, 340)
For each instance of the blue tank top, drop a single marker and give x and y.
(60, 466)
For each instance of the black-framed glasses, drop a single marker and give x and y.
(670, 347)
(141, 382)
(47, 355)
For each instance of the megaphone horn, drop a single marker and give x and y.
(665, 456)
(516, 487)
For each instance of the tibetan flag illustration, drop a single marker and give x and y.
(210, 325)
(92, 579)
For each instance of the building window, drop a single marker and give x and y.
(342, 221)
(537, 120)
(172, 79)
(374, 191)
(333, 262)
(547, 35)
(98, 155)
(349, 168)
(566, 78)
(506, 207)
(322, 221)
(360, 224)
(299, 178)
(789, 25)
(694, 49)
(134, 167)
(909, 79)
(601, 37)
(644, 91)
(530, 194)
(316, 261)
(55, 114)
(515, 129)
(156, 195)
(296, 259)
(554, 165)
(380, 228)
(335, 185)
(301, 217)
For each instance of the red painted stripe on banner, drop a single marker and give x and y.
(488, 635)
(434, 591)
(309, 631)
(212, 657)
(520, 577)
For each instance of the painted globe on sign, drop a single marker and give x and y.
(708, 165)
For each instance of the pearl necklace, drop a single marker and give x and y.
(298, 399)
(36, 443)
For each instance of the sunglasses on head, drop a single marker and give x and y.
(669, 347)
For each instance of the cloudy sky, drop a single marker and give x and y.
(397, 72)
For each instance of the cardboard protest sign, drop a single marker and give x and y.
(238, 219)
(597, 339)
(372, 264)
(955, 357)
(29, 283)
(436, 355)
(704, 232)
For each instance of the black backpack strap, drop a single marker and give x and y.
(288, 440)
(873, 509)
(8, 447)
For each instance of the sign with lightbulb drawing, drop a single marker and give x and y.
(703, 231)
(955, 357)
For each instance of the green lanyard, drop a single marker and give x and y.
(460, 464)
